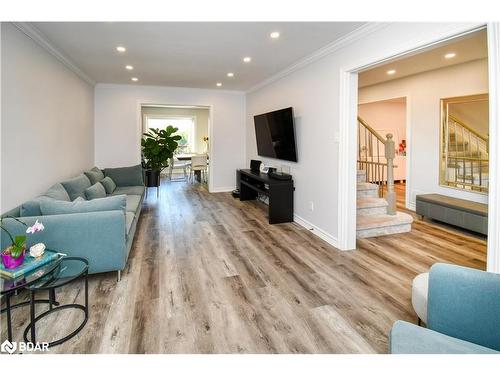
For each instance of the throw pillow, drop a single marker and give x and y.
(58, 192)
(108, 184)
(95, 191)
(94, 175)
(32, 207)
(76, 186)
(116, 202)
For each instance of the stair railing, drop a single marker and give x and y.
(465, 156)
(376, 157)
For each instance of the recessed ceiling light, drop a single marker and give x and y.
(450, 55)
(219, 84)
(121, 49)
(129, 67)
(230, 74)
(247, 59)
(274, 35)
(135, 79)
(391, 72)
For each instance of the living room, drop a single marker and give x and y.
(218, 259)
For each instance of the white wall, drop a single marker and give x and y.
(313, 91)
(47, 120)
(424, 92)
(118, 125)
(201, 116)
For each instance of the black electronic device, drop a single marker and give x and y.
(275, 134)
(255, 165)
(280, 176)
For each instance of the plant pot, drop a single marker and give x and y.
(152, 178)
(9, 262)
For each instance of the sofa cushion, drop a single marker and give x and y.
(32, 207)
(109, 185)
(95, 191)
(407, 338)
(57, 191)
(135, 190)
(76, 186)
(79, 205)
(126, 176)
(133, 202)
(94, 175)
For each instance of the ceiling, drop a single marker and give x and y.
(467, 48)
(188, 54)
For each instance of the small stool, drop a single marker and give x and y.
(419, 290)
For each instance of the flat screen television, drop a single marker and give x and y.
(275, 134)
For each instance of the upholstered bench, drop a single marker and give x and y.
(460, 212)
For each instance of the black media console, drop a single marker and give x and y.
(280, 193)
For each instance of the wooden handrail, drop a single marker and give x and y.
(461, 123)
(371, 130)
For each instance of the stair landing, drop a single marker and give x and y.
(372, 218)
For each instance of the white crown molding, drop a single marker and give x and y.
(342, 42)
(37, 36)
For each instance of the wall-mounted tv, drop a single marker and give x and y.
(275, 134)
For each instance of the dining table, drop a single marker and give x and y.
(188, 157)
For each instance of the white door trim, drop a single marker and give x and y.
(493, 256)
(139, 127)
(348, 130)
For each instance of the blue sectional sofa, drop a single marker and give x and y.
(463, 315)
(101, 229)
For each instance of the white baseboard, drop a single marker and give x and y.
(325, 236)
(223, 189)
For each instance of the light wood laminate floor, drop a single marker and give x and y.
(208, 274)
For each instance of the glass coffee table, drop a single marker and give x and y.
(55, 274)
(68, 270)
(9, 287)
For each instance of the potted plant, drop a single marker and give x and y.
(13, 255)
(158, 148)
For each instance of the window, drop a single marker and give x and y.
(186, 126)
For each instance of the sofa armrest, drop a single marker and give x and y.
(97, 236)
(465, 303)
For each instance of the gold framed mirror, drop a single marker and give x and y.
(464, 143)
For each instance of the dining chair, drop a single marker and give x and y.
(199, 163)
(178, 164)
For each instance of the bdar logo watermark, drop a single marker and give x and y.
(8, 347)
(11, 347)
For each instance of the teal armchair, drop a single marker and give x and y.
(463, 315)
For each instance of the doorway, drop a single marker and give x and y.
(193, 126)
(348, 134)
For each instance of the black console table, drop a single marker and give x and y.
(280, 193)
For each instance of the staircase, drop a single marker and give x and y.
(377, 216)
(372, 217)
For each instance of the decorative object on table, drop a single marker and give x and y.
(37, 250)
(158, 148)
(30, 264)
(13, 255)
